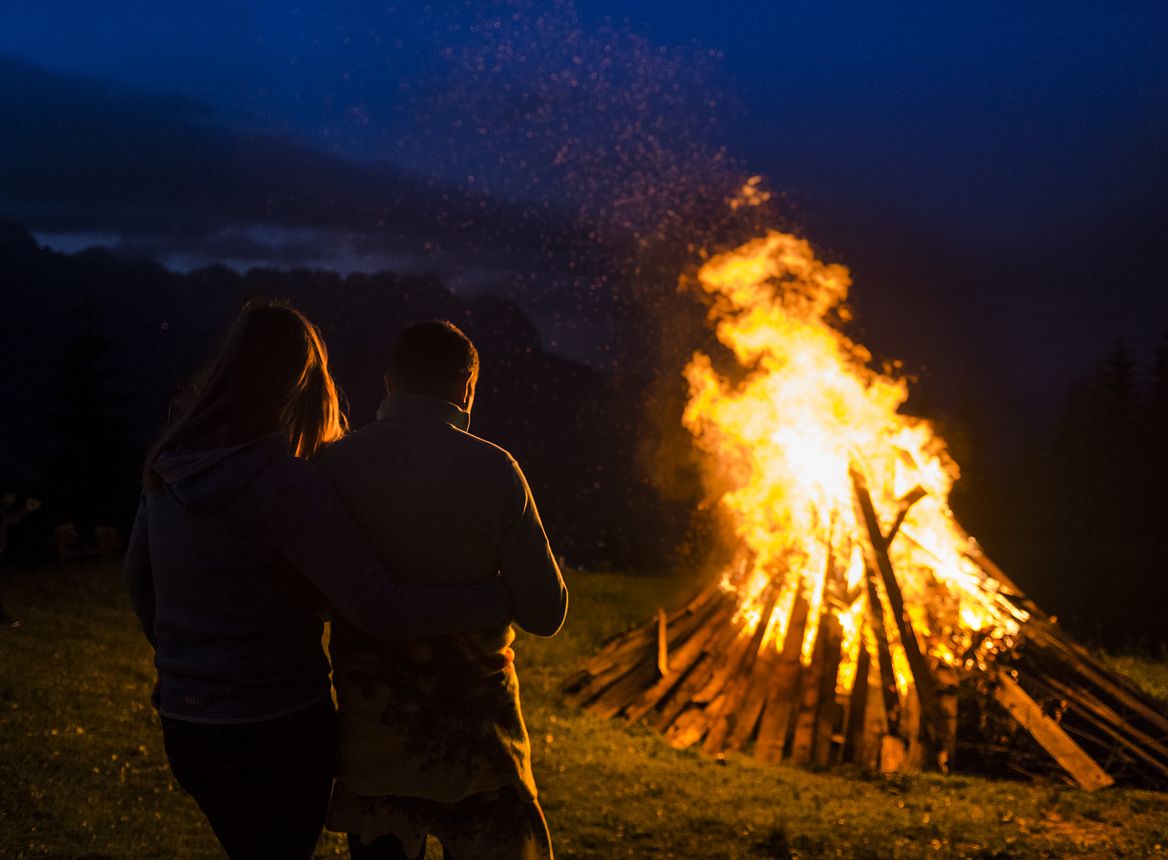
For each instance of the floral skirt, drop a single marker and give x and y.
(500, 824)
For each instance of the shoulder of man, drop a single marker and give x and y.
(502, 460)
(334, 457)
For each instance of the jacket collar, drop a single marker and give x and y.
(419, 406)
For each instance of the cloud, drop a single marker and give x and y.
(171, 176)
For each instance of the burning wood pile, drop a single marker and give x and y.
(858, 613)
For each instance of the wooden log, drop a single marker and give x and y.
(906, 502)
(776, 714)
(688, 729)
(973, 551)
(947, 700)
(680, 697)
(1049, 734)
(613, 700)
(1136, 743)
(857, 699)
(726, 713)
(762, 676)
(893, 754)
(828, 714)
(1108, 681)
(916, 749)
(726, 667)
(618, 649)
(662, 643)
(875, 726)
(619, 662)
(613, 651)
(582, 696)
(932, 719)
(809, 688)
(680, 663)
(575, 681)
(889, 694)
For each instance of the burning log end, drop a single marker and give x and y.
(906, 501)
(662, 643)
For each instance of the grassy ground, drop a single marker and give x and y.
(82, 772)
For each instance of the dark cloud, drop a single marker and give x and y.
(167, 174)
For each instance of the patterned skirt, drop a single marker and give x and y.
(502, 824)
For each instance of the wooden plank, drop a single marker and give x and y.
(828, 714)
(681, 696)
(776, 713)
(597, 685)
(893, 754)
(1049, 735)
(947, 699)
(627, 655)
(922, 678)
(725, 668)
(973, 551)
(875, 725)
(1108, 681)
(613, 700)
(619, 648)
(680, 663)
(857, 699)
(889, 694)
(662, 643)
(1137, 743)
(688, 729)
(809, 687)
(726, 713)
(906, 502)
(762, 676)
(916, 749)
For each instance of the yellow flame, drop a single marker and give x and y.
(807, 408)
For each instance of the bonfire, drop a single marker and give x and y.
(857, 614)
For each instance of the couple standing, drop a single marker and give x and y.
(421, 540)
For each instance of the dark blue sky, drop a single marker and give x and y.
(993, 171)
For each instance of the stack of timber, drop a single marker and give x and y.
(704, 676)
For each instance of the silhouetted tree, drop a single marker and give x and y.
(92, 470)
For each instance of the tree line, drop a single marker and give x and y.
(1080, 511)
(97, 345)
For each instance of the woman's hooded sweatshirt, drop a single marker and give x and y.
(232, 564)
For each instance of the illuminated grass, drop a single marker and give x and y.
(82, 773)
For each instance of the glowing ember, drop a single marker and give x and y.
(786, 439)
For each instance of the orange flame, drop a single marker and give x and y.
(784, 439)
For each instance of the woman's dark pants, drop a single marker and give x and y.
(264, 787)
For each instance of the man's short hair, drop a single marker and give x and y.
(432, 358)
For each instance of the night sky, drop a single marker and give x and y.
(992, 172)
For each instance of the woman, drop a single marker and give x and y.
(239, 548)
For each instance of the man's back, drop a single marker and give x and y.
(440, 718)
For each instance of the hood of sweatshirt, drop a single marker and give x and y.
(206, 480)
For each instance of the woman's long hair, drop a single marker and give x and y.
(271, 376)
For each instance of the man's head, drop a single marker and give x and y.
(435, 359)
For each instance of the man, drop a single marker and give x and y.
(432, 736)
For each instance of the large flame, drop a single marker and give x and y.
(804, 410)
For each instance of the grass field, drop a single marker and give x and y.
(83, 775)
